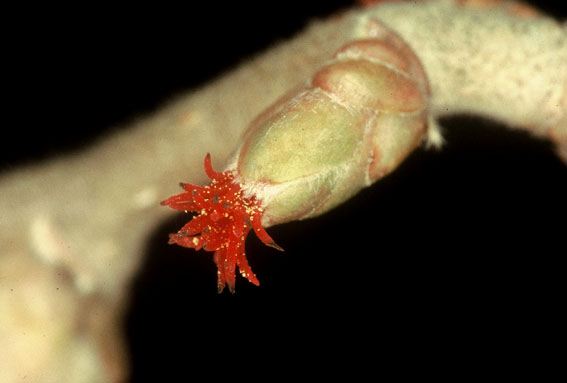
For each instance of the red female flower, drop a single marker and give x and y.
(224, 219)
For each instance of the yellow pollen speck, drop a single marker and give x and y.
(195, 241)
(203, 212)
(226, 214)
(186, 211)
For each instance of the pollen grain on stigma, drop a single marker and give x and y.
(224, 219)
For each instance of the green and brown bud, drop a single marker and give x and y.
(362, 114)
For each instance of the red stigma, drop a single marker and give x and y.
(224, 219)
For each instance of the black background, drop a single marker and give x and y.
(457, 249)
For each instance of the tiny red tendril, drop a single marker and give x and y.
(224, 219)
